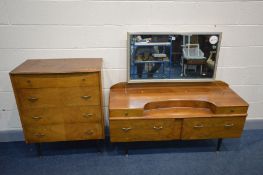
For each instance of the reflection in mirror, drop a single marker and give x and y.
(158, 57)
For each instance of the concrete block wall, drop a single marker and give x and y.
(81, 28)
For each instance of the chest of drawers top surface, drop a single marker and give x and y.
(54, 66)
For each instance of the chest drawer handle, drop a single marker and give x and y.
(229, 125)
(39, 135)
(126, 129)
(158, 127)
(199, 126)
(89, 132)
(36, 117)
(87, 115)
(86, 97)
(32, 99)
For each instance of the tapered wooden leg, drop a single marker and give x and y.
(219, 143)
(38, 148)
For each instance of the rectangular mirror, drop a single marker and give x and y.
(155, 57)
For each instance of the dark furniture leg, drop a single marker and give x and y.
(39, 151)
(126, 149)
(219, 143)
(98, 145)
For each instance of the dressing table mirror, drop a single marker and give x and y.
(163, 57)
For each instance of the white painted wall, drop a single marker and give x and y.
(82, 28)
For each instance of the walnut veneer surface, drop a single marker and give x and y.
(168, 111)
(59, 99)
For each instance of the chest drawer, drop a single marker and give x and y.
(144, 129)
(46, 116)
(50, 133)
(209, 128)
(53, 97)
(56, 80)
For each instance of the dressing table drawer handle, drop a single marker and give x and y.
(229, 125)
(32, 99)
(158, 127)
(199, 126)
(86, 97)
(36, 117)
(39, 135)
(87, 115)
(126, 129)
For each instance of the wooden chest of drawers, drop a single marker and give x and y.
(172, 111)
(59, 99)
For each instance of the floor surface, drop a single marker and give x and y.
(242, 156)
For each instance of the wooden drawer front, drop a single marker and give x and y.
(208, 128)
(67, 132)
(81, 96)
(46, 116)
(126, 113)
(53, 97)
(83, 131)
(56, 80)
(48, 133)
(83, 114)
(144, 130)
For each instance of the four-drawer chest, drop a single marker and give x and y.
(59, 99)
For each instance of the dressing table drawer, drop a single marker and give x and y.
(209, 128)
(144, 129)
(56, 80)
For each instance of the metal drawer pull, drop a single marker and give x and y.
(158, 127)
(229, 125)
(36, 117)
(32, 99)
(40, 135)
(199, 126)
(87, 115)
(126, 129)
(89, 132)
(86, 97)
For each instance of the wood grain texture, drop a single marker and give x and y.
(59, 100)
(196, 110)
(52, 97)
(144, 130)
(59, 115)
(57, 80)
(63, 132)
(54, 66)
(210, 128)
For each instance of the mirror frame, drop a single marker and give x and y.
(129, 34)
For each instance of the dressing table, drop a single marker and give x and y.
(175, 111)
